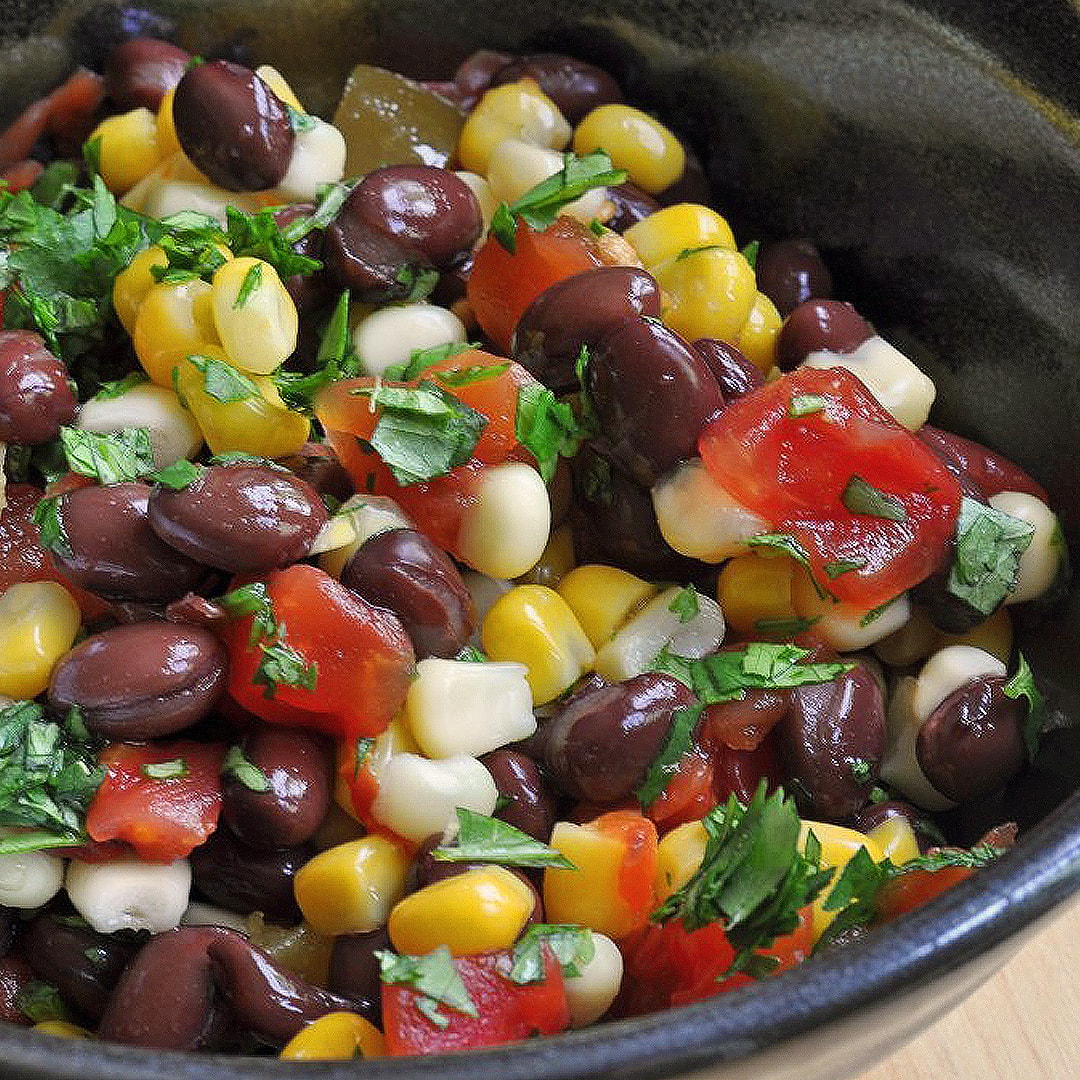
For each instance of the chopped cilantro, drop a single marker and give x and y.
(679, 741)
(260, 236)
(176, 769)
(39, 1002)
(435, 979)
(240, 768)
(421, 359)
(109, 391)
(806, 405)
(364, 746)
(221, 380)
(486, 839)
(471, 654)
(785, 628)
(687, 252)
(109, 458)
(252, 281)
(335, 360)
(546, 427)
(418, 282)
(52, 535)
(861, 497)
(1022, 685)
(331, 198)
(833, 570)
(471, 373)
(750, 253)
(572, 946)
(783, 544)
(177, 476)
(862, 770)
(300, 122)
(685, 604)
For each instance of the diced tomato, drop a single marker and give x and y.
(163, 819)
(364, 658)
(506, 1010)
(690, 793)
(793, 472)
(917, 887)
(501, 286)
(637, 872)
(105, 851)
(67, 113)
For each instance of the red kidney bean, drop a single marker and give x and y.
(36, 397)
(354, 969)
(575, 86)
(141, 681)
(740, 772)
(733, 372)
(790, 272)
(317, 464)
(972, 743)
(373, 265)
(240, 878)
(816, 325)
(631, 206)
(600, 745)
(140, 72)
(114, 552)
(652, 394)
(432, 211)
(831, 741)
(15, 974)
(401, 569)
(297, 765)
(196, 610)
(82, 964)
(241, 518)
(530, 807)
(234, 128)
(577, 311)
(971, 461)
(476, 71)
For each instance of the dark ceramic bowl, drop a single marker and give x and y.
(932, 150)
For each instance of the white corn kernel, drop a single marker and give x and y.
(458, 707)
(900, 766)
(390, 335)
(516, 166)
(484, 591)
(254, 315)
(200, 914)
(29, 879)
(1042, 559)
(357, 520)
(482, 190)
(318, 158)
(504, 533)
(130, 895)
(698, 518)
(173, 431)
(591, 991)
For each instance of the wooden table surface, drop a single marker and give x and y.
(1024, 1024)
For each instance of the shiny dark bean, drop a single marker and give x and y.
(240, 518)
(575, 86)
(35, 395)
(692, 186)
(733, 372)
(308, 291)
(975, 465)
(631, 206)
(653, 394)
(9, 929)
(140, 72)
(234, 128)
(15, 974)
(577, 311)
(143, 680)
(433, 211)
(297, 766)
(374, 266)
(790, 272)
(354, 967)
(743, 724)
(874, 814)
(949, 613)
(197, 610)
(317, 464)
(476, 71)
(82, 964)
(972, 744)
(402, 570)
(529, 805)
(239, 878)
(831, 741)
(601, 744)
(816, 325)
(111, 549)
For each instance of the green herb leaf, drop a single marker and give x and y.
(687, 252)
(300, 122)
(750, 253)
(240, 768)
(222, 381)
(177, 476)
(806, 405)
(833, 570)
(1022, 685)
(783, 544)
(119, 387)
(260, 236)
(364, 746)
(110, 458)
(486, 839)
(862, 770)
(685, 604)
(331, 199)
(784, 628)
(434, 977)
(679, 741)
(38, 1002)
(473, 373)
(335, 360)
(418, 281)
(421, 359)
(176, 769)
(282, 665)
(861, 497)
(51, 532)
(572, 947)
(546, 427)
(252, 280)
(471, 654)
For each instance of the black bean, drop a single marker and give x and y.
(733, 372)
(143, 680)
(948, 612)
(140, 72)
(401, 569)
(652, 394)
(831, 741)
(691, 187)
(234, 128)
(297, 766)
(529, 805)
(476, 71)
(241, 518)
(371, 264)
(575, 86)
(631, 206)
(600, 745)
(354, 967)
(816, 325)
(790, 272)
(972, 743)
(577, 311)
(35, 395)
(111, 549)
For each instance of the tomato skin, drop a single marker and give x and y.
(507, 1011)
(690, 793)
(365, 659)
(915, 888)
(163, 820)
(792, 471)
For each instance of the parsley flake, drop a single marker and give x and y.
(221, 380)
(1022, 685)
(176, 769)
(861, 497)
(335, 360)
(110, 458)
(572, 946)
(486, 839)
(252, 281)
(434, 977)
(685, 604)
(177, 476)
(240, 768)
(546, 427)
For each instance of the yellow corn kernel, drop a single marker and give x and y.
(679, 855)
(168, 143)
(675, 229)
(994, 636)
(839, 845)
(38, 624)
(254, 314)
(276, 81)
(337, 1036)
(895, 839)
(351, 888)
(482, 909)
(557, 560)
(534, 626)
(173, 321)
(129, 148)
(755, 591)
(757, 338)
(603, 598)
(517, 110)
(634, 141)
(62, 1029)
(133, 283)
(297, 949)
(708, 293)
(258, 423)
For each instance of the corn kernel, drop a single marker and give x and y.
(351, 888)
(173, 321)
(168, 143)
(679, 856)
(556, 562)
(603, 598)
(254, 314)
(480, 910)
(994, 635)
(675, 229)
(534, 626)
(134, 282)
(62, 1029)
(709, 293)
(634, 141)
(337, 1036)
(276, 81)
(895, 839)
(757, 338)
(38, 624)
(755, 591)
(396, 739)
(839, 845)
(297, 949)
(129, 148)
